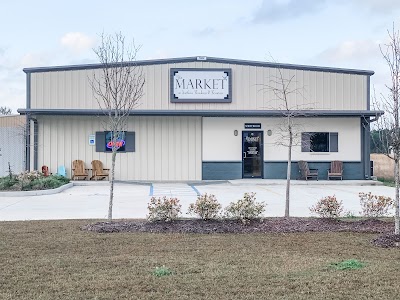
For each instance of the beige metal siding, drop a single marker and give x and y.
(317, 90)
(13, 121)
(167, 148)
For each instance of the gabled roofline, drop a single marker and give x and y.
(204, 59)
(207, 113)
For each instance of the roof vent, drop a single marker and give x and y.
(201, 57)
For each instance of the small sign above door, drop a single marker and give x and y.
(252, 125)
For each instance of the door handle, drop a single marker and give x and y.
(244, 155)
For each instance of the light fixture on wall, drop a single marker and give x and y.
(269, 132)
(235, 132)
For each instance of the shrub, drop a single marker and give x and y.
(163, 209)
(6, 182)
(374, 206)
(206, 207)
(245, 209)
(50, 182)
(27, 176)
(32, 181)
(328, 207)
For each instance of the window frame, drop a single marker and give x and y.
(332, 141)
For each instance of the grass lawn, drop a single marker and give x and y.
(56, 260)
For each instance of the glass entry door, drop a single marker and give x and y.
(252, 154)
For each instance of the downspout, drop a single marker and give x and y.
(35, 144)
(366, 144)
(28, 124)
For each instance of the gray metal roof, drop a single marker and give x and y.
(205, 59)
(207, 113)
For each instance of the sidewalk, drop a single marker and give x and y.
(89, 200)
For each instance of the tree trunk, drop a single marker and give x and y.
(289, 170)
(396, 199)
(110, 203)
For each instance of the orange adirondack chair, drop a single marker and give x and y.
(78, 170)
(307, 173)
(98, 172)
(336, 170)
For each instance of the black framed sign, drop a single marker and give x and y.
(252, 125)
(201, 85)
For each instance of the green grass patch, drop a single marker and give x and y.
(56, 260)
(386, 182)
(350, 264)
(162, 271)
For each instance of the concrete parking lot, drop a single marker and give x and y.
(90, 201)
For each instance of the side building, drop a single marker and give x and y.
(12, 147)
(204, 118)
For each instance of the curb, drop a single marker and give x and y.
(37, 193)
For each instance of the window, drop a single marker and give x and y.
(125, 143)
(319, 142)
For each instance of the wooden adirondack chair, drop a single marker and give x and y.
(98, 171)
(305, 172)
(336, 170)
(78, 170)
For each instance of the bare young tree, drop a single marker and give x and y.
(4, 110)
(289, 131)
(388, 129)
(117, 90)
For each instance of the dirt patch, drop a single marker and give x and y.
(269, 225)
(387, 241)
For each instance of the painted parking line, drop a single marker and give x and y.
(270, 191)
(195, 189)
(173, 190)
(11, 204)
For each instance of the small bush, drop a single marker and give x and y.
(245, 209)
(328, 207)
(163, 209)
(6, 182)
(206, 207)
(45, 183)
(27, 176)
(375, 206)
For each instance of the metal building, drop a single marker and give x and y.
(12, 145)
(204, 118)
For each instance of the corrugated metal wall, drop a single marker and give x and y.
(12, 146)
(167, 148)
(316, 90)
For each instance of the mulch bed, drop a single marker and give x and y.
(268, 225)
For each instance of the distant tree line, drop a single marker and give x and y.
(5, 110)
(380, 141)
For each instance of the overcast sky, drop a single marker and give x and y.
(334, 33)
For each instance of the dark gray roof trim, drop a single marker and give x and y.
(206, 59)
(207, 113)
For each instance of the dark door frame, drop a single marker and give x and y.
(261, 151)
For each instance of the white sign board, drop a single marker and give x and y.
(92, 139)
(201, 85)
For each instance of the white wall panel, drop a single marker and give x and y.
(319, 90)
(220, 144)
(167, 148)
